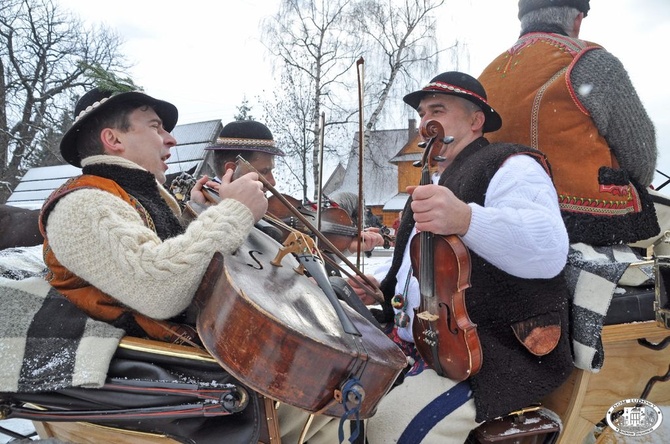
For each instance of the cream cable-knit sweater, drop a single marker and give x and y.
(103, 240)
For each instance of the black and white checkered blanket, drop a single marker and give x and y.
(46, 343)
(593, 274)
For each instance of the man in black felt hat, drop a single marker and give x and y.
(254, 142)
(114, 243)
(247, 138)
(573, 100)
(499, 199)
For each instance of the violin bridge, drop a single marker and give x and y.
(427, 316)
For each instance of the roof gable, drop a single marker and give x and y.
(380, 177)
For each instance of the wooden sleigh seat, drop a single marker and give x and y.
(583, 400)
(580, 403)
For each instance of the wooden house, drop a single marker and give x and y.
(387, 171)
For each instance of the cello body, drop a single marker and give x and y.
(275, 330)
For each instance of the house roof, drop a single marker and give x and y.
(396, 203)
(192, 138)
(334, 182)
(380, 177)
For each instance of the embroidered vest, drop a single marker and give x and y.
(91, 300)
(529, 85)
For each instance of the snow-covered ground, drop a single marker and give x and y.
(379, 257)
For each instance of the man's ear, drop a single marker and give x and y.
(478, 119)
(111, 142)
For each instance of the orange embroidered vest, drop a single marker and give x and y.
(529, 85)
(88, 298)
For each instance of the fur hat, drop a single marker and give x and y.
(526, 6)
(96, 101)
(462, 85)
(246, 135)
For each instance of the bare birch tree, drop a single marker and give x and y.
(44, 55)
(322, 39)
(315, 47)
(403, 41)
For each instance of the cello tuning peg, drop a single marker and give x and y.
(448, 139)
(421, 144)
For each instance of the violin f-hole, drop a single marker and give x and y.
(453, 329)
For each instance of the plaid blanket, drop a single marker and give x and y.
(47, 343)
(593, 274)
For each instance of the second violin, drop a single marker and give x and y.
(336, 224)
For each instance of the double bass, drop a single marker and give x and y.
(444, 335)
(284, 336)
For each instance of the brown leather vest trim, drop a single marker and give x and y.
(91, 300)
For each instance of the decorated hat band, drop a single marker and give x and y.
(89, 108)
(446, 87)
(245, 143)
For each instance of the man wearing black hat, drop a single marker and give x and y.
(500, 200)
(573, 100)
(249, 139)
(254, 142)
(114, 244)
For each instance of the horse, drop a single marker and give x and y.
(19, 227)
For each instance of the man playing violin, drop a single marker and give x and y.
(500, 201)
(253, 141)
(247, 138)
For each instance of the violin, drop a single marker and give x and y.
(336, 224)
(444, 335)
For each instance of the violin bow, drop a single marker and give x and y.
(360, 70)
(319, 198)
(377, 295)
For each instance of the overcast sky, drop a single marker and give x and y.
(206, 56)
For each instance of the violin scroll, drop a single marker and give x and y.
(433, 132)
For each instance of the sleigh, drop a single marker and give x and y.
(164, 393)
